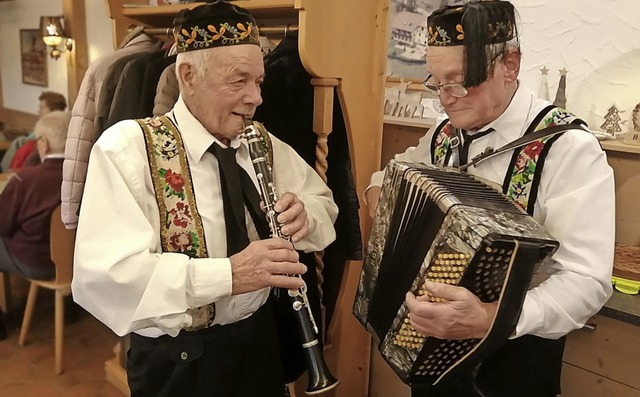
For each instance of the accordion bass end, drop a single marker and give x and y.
(441, 225)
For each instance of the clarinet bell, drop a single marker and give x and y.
(320, 378)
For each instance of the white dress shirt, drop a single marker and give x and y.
(121, 275)
(575, 203)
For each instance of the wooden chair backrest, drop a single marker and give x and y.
(62, 241)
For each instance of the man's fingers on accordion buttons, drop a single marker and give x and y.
(445, 291)
(413, 303)
(423, 298)
(422, 309)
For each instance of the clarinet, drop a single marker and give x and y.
(320, 379)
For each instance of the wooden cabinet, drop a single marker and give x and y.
(343, 45)
(400, 133)
(602, 359)
(625, 161)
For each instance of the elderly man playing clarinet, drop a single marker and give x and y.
(168, 244)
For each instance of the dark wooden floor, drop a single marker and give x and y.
(29, 371)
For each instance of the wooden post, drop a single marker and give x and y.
(78, 59)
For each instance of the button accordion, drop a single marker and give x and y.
(442, 225)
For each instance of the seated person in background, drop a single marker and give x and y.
(28, 201)
(22, 150)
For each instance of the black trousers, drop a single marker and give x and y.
(236, 360)
(528, 366)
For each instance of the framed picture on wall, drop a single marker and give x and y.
(33, 58)
(407, 49)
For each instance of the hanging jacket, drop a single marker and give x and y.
(81, 134)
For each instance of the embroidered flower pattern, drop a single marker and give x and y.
(438, 37)
(213, 36)
(173, 183)
(443, 141)
(244, 32)
(498, 32)
(181, 231)
(185, 242)
(164, 145)
(460, 30)
(181, 215)
(217, 35)
(523, 172)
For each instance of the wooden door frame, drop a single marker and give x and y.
(76, 27)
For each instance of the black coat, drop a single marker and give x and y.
(287, 112)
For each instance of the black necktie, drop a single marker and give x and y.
(468, 138)
(237, 189)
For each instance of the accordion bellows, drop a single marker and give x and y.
(442, 225)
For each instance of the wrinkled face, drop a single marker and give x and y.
(229, 90)
(484, 103)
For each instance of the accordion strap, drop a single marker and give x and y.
(528, 138)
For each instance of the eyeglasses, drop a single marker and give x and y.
(456, 90)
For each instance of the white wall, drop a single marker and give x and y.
(25, 14)
(16, 15)
(99, 29)
(598, 41)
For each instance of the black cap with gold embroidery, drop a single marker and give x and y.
(482, 27)
(215, 24)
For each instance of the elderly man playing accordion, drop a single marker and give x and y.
(564, 182)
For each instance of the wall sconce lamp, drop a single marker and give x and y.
(52, 31)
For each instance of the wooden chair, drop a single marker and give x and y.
(5, 292)
(62, 242)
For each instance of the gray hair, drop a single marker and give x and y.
(54, 127)
(199, 60)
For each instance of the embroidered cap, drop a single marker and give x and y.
(481, 27)
(214, 24)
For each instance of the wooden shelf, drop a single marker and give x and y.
(425, 123)
(260, 9)
(619, 146)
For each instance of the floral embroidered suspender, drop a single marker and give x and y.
(441, 144)
(181, 228)
(521, 184)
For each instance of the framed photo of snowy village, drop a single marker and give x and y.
(407, 47)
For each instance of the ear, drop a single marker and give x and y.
(186, 75)
(512, 65)
(45, 144)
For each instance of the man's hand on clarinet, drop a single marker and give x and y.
(371, 197)
(266, 263)
(292, 217)
(461, 316)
